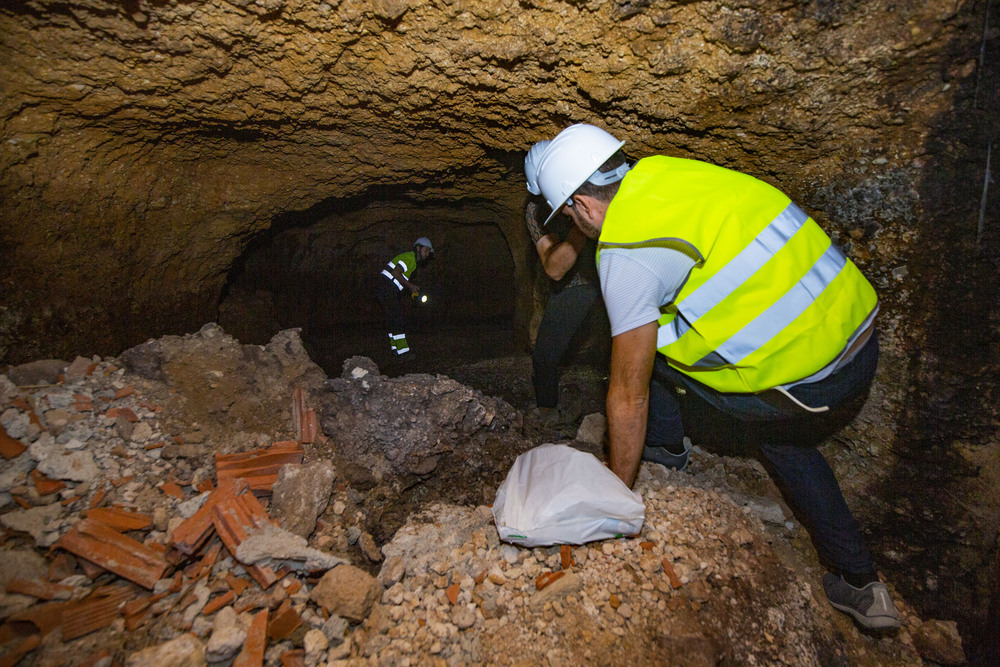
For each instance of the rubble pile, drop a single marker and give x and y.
(143, 525)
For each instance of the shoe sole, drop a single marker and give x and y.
(869, 622)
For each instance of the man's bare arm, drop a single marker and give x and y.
(632, 355)
(557, 256)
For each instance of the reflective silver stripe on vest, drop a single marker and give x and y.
(783, 312)
(739, 269)
(389, 276)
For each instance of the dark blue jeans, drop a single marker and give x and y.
(564, 314)
(785, 437)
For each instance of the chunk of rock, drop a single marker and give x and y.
(44, 371)
(13, 472)
(939, 641)
(183, 651)
(592, 429)
(227, 637)
(300, 495)
(271, 546)
(58, 463)
(34, 521)
(347, 591)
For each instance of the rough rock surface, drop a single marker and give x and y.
(301, 494)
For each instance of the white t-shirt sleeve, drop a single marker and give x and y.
(635, 282)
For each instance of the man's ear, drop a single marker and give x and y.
(588, 206)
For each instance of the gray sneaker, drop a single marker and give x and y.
(663, 457)
(870, 606)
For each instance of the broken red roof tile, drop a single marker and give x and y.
(294, 658)
(122, 480)
(98, 497)
(106, 547)
(259, 467)
(155, 445)
(292, 585)
(43, 590)
(114, 413)
(205, 485)
(10, 447)
(284, 622)
(152, 407)
(566, 556)
(83, 406)
(22, 502)
(671, 575)
(45, 485)
(62, 566)
(125, 391)
(22, 649)
(646, 546)
(188, 537)
(21, 403)
(252, 654)
(452, 593)
(91, 570)
(547, 578)
(34, 419)
(172, 489)
(218, 603)
(119, 519)
(46, 617)
(97, 611)
(238, 584)
(233, 519)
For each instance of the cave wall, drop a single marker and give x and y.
(143, 144)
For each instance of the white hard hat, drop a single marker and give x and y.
(424, 241)
(531, 165)
(571, 158)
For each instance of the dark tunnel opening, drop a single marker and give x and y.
(317, 270)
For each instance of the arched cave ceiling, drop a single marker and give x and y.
(144, 143)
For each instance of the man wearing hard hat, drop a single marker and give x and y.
(731, 307)
(567, 257)
(395, 277)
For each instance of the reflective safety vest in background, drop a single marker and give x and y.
(407, 261)
(771, 300)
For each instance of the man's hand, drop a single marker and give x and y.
(632, 355)
(413, 288)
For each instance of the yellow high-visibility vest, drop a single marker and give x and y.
(771, 299)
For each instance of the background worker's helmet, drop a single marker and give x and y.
(570, 159)
(424, 241)
(531, 165)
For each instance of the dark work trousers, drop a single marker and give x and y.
(564, 313)
(390, 297)
(784, 435)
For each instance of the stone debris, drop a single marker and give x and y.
(159, 560)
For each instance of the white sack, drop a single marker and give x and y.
(555, 494)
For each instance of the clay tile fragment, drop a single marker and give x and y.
(566, 556)
(23, 648)
(668, 569)
(238, 584)
(259, 467)
(452, 593)
(103, 545)
(188, 537)
(125, 391)
(10, 447)
(44, 485)
(285, 621)
(21, 403)
(129, 415)
(252, 654)
(97, 611)
(547, 578)
(646, 546)
(304, 421)
(172, 489)
(43, 590)
(294, 658)
(234, 519)
(119, 519)
(218, 603)
(46, 617)
(98, 497)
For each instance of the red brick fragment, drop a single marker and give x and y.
(44, 485)
(646, 546)
(83, 406)
(188, 537)
(10, 447)
(119, 519)
(668, 569)
(481, 577)
(106, 547)
(172, 489)
(152, 407)
(155, 445)
(43, 590)
(97, 611)
(125, 391)
(23, 502)
(218, 603)
(62, 566)
(122, 481)
(46, 617)
(452, 593)
(294, 658)
(566, 556)
(21, 403)
(259, 467)
(233, 519)
(23, 648)
(128, 414)
(544, 580)
(34, 419)
(285, 620)
(252, 654)
(205, 485)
